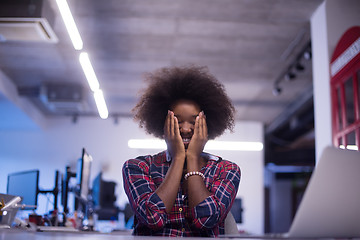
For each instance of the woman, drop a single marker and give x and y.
(182, 191)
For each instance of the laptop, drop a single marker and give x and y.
(330, 207)
(331, 203)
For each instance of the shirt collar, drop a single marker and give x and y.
(205, 155)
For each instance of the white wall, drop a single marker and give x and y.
(252, 175)
(328, 24)
(60, 144)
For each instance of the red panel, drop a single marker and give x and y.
(345, 41)
(356, 95)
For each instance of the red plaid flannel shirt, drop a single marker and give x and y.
(143, 175)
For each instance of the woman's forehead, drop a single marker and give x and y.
(185, 105)
(186, 110)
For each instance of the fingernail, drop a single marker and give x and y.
(203, 114)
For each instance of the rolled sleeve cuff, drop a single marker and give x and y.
(155, 212)
(156, 203)
(206, 214)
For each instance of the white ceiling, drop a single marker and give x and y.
(247, 44)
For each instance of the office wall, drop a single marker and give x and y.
(60, 144)
(328, 24)
(251, 189)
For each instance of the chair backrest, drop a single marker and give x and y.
(230, 225)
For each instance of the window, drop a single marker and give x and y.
(345, 91)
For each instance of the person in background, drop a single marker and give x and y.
(182, 191)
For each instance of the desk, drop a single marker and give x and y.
(15, 234)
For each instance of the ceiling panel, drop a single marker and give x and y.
(246, 44)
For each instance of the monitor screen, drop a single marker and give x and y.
(83, 174)
(96, 188)
(103, 193)
(237, 210)
(25, 185)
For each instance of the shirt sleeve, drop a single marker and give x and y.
(140, 189)
(211, 211)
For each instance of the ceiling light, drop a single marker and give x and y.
(233, 146)
(70, 24)
(276, 90)
(89, 71)
(294, 67)
(210, 145)
(101, 104)
(147, 144)
(289, 76)
(307, 55)
(299, 67)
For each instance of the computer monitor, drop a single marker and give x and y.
(103, 193)
(96, 190)
(65, 188)
(237, 210)
(83, 174)
(26, 185)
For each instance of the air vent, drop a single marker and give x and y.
(26, 29)
(27, 20)
(57, 98)
(63, 98)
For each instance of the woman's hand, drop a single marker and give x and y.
(198, 140)
(173, 138)
(167, 191)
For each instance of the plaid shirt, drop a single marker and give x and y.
(143, 175)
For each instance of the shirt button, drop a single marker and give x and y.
(180, 209)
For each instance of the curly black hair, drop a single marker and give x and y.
(168, 85)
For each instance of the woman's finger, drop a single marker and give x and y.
(167, 125)
(172, 132)
(196, 127)
(202, 134)
(205, 128)
(177, 129)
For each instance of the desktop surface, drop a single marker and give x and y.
(18, 234)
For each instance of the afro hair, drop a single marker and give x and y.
(168, 85)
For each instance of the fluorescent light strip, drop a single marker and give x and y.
(70, 24)
(147, 144)
(233, 146)
(83, 58)
(100, 104)
(89, 71)
(349, 147)
(210, 145)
